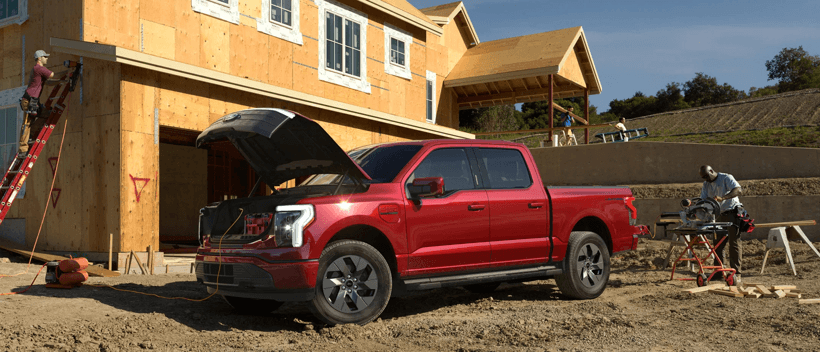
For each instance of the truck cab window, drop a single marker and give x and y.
(506, 168)
(451, 164)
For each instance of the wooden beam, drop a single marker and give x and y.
(809, 301)
(788, 223)
(561, 109)
(541, 130)
(524, 82)
(726, 293)
(703, 288)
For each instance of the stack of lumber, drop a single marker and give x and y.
(752, 290)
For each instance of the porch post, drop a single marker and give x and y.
(586, 114)
(551, 110)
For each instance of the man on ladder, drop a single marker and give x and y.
(30, 102)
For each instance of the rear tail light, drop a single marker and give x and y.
(633, 213)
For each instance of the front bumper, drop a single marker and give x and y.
(252, 277)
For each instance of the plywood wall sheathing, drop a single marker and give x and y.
(158, 40)
(139, 191)
(280, 61)
(214, 44)
(139, 99)
(101, 181)
(398, 88)
(101, 88)
(188, 38)
(247, 58)
(64, 219)
(12, 57)
(183, 103)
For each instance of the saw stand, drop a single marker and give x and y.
(778, 238)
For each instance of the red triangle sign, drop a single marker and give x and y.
(54, 199)
(137, 189)
(53, 162)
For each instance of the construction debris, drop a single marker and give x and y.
(754, 291)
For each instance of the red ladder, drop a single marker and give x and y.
(20, 167)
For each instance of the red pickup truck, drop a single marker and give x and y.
(385, 219)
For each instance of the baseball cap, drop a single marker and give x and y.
(40, 53)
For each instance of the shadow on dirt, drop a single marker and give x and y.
(214, 314)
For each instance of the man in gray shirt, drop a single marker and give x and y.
(725, 190)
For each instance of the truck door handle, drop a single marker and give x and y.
(536, 205)
(476, 207)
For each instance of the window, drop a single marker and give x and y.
(431, 97)
(281, 11)
(343, 46)
(9, 135)
(451, 164)
(342, 49)
(505, 168)
(226, 10)
(13, 12)
(397, 52)
(280, 18)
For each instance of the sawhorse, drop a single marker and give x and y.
(778, 238)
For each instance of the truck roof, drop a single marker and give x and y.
(434, 142)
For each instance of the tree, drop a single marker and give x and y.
(794, 69)
(498, 118)
(704, 90)
(671, 98)
(638, 105)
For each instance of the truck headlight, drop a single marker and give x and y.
(289, 224)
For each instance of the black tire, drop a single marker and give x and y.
(586, 266)
(702, 280)
(252, 305)
(482, 288)
(353, 284)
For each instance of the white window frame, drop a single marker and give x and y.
(389, 66)
(10, 98)
(332, 76)
(214, 8)
(20, 17)
(277, 29)
(431, 78)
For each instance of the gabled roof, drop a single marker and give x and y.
(406, 12)
(443, 14)
(526, 56)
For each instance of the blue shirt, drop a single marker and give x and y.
(567, 119)
(723, 184)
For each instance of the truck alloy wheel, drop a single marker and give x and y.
(586, 266)
(354, 284)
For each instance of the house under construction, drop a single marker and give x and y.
(158, 72)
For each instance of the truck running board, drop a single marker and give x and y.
(478, 278)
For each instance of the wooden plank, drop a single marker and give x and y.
(561, 109)
(809, 301)
(753, 295)
(703, 288)
(794, 295)
(158, 39)
(763, 290)
(92, 270)
(788, 223)
(783, 287)
(778, 294)
(726, 293)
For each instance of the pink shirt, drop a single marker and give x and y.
(38, 76)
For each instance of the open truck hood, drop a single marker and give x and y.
(281, 145)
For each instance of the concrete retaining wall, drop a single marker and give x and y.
(763, 209)
(661, 163)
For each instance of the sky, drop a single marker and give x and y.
(644, 45)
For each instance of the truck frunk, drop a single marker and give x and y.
(390, 218)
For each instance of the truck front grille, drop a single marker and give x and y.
(240, 274)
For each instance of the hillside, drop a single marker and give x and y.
(723, 123)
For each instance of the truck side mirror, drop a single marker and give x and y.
(426, 187)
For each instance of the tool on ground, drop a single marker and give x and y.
(22, 164)
(698, 221)
(67, 273)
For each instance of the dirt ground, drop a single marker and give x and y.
(640, 310)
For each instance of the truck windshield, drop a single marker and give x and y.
(381, 163)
